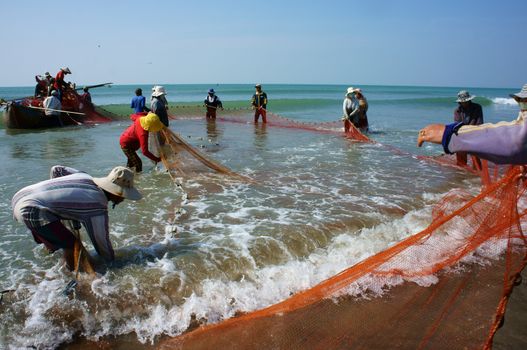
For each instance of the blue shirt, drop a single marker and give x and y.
(138, 104)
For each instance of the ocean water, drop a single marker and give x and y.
(319, 204)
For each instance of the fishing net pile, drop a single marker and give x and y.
(446, 286)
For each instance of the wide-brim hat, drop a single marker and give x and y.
(258, 86)
(350, 90)
(211, 91)
(120, 182)
(464, 96)
(66, 70)
(521, 94)
(151, 122)
(158, 91)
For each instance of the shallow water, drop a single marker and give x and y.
(319, 204)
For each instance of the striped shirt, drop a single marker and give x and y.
(69, 195)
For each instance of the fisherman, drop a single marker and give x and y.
(86, 99)
(259, 104)
(60, 85)
(350, 109)
(212, 102)
(139, 102)
(501, 143)
(73, 195)
(362, 123)
(470, 113)
(136, 136)
(159, 104)
(43, 83)
(52, 104)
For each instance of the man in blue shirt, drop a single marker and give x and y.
(138, 102)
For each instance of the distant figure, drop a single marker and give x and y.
(43, 84)
(501, 143)
(52, 104)
(60, 85)
(73, 195)
(362, 124)
(136, 136)
(350, 109)
(469, 113)
(259, 104)
(86, 99)
(159, 104)
(212, 102)
(139, 102)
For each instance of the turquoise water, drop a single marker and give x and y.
(216, 247)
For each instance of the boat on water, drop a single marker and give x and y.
(29, 112)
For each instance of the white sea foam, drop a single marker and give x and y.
(504, 101)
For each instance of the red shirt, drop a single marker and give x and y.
(135, 137)
(59, 80)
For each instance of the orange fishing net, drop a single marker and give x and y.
(449, 287)
(180, 158)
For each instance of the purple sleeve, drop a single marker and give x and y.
(500, 143)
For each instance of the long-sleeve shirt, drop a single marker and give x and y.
(52, 102)
(59, 80)
(471, 114)
(259, 100)
(213, 101)
(68, 195)
(500, 143)
(138, 104)
(135, 137)
(350, 108)
(160, 108)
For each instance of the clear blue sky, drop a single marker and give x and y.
(407, 42)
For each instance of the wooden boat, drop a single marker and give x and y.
(29, 113)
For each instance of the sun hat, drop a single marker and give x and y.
(211, 91)
(66, 70)
(54, 92)
(47, 74)
(120, 182)
(464, 96)
(350, 90)
(151, 122)
(522, 93)
(158, 91)
(258, 85)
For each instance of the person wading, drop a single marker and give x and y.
(76, 196)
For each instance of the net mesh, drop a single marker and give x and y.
(446, 286)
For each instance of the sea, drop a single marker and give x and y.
(212, 247)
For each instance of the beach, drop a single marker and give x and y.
(216, 247)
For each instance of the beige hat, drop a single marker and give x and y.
(522, 94)
(350, 90)
(120, 182)
(158, 91)
(66, 70)
(151, 122)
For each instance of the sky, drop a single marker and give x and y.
(465, 43)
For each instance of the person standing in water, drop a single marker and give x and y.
(259, 104)
(469, 113)
(139, 102)
(212, 103)
(362, 123)
(350, 109)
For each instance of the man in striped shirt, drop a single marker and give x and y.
(76, 196)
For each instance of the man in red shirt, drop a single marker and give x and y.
(60, 84)
(136, 136)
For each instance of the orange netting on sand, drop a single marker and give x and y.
(444, 287)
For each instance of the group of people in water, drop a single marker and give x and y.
(76, 196)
